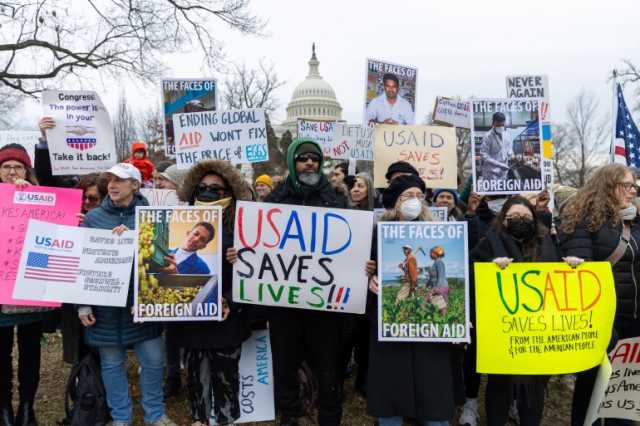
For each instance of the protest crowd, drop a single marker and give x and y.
(404, 277)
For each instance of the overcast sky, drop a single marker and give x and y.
(462, 48)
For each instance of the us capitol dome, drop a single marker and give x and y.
(313, 99)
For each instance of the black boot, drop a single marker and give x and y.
(6, 415)
(26, 416)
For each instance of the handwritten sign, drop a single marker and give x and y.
(83, 140)
(179, 263)
(352, 142)
(543, 318)
(430, 149)
(423, 278)
(318, 131)
(301, 257)
(69, 264)
(238, 136)
(621, 396)
(53, 205)
(180, 95)
(452, 112)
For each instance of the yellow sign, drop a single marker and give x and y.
(543, 318)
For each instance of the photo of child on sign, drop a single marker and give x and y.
(506, 146)
(423, 278)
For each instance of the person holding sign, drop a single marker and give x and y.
(15, 169)
(420, 374)
(213, 348)
(111, 329)
(600, 223)
(390, 107)
(516, 236)
(448, 198)
(297, 332)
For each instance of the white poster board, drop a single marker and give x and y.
(452, 112)
(318, 131)
(352, 142)
(161, 197)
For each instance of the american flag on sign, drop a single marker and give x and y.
(627, 137)
(48, 267)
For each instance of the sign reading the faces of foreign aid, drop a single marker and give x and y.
(543, 318)
(302, 257)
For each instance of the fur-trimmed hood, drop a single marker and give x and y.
(224, 169)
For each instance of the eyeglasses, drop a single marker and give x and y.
(7, 168)
(210, 188)
(406, 197)
(628, 186)
(91, 198)
(303, 158)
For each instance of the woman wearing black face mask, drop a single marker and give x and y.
(516, 236)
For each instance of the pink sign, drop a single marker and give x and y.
(55, 205)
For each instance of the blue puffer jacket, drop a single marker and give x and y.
(115, 326)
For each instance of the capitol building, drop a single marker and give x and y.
(313, 99)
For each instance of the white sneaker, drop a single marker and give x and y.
(469, 416)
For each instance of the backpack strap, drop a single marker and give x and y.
(617, 254)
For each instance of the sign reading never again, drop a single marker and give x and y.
(543, 318)
(301, 257)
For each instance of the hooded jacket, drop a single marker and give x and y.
(143, 164)
(292, 191)
(235, 329)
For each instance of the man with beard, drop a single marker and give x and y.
(297, 334)
(389, 107)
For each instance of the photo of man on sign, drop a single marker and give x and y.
(389, 107)
(185, 259)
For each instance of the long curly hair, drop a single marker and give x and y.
(596, 202)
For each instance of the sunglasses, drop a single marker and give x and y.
(303, 158)
(210, 188)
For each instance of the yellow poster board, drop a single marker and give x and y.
(543, 318)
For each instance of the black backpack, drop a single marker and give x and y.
(86, 392)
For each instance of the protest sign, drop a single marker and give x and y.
(530, 86)
(543, 318)
(161, 197)
(423, 277)
(53, 205)
(69, 264)
(26, 138)
(352, 142)
(452, 112)
(390, 93)
(178, 263)
(301, 257)
(506, 161)
(430, 149)
(256, 380)
(83, 140)
(318, 131)
(440, 214)
(180, 95)
(238, 136)
(621, 399)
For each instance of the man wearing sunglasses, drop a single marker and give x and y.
(299, 335)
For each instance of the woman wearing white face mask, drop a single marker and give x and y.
(408, 379)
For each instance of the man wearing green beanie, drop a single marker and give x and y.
(297, 334)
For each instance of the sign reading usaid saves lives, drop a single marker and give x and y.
(301, 257)
(53, 205)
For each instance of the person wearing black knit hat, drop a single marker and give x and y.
(400, 168)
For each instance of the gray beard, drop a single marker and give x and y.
(310, 179)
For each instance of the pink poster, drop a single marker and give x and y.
(55, 205)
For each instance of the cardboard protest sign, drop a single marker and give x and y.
(180, 95)
(430, 149)
(318, 131)
(423, 278)
(161, 197)
(69, 264)
(178, 264)
(452, 112)
(256, 380)
(530, 86)
(390, 93)
(26, 138)
(83, 140)
(352, 142)
(238, 136)
(506, 161)
(621, 399)
(543, 318)
(301, 257)
(53, 205)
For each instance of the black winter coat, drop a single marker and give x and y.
(322, 195)
(598, 246)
